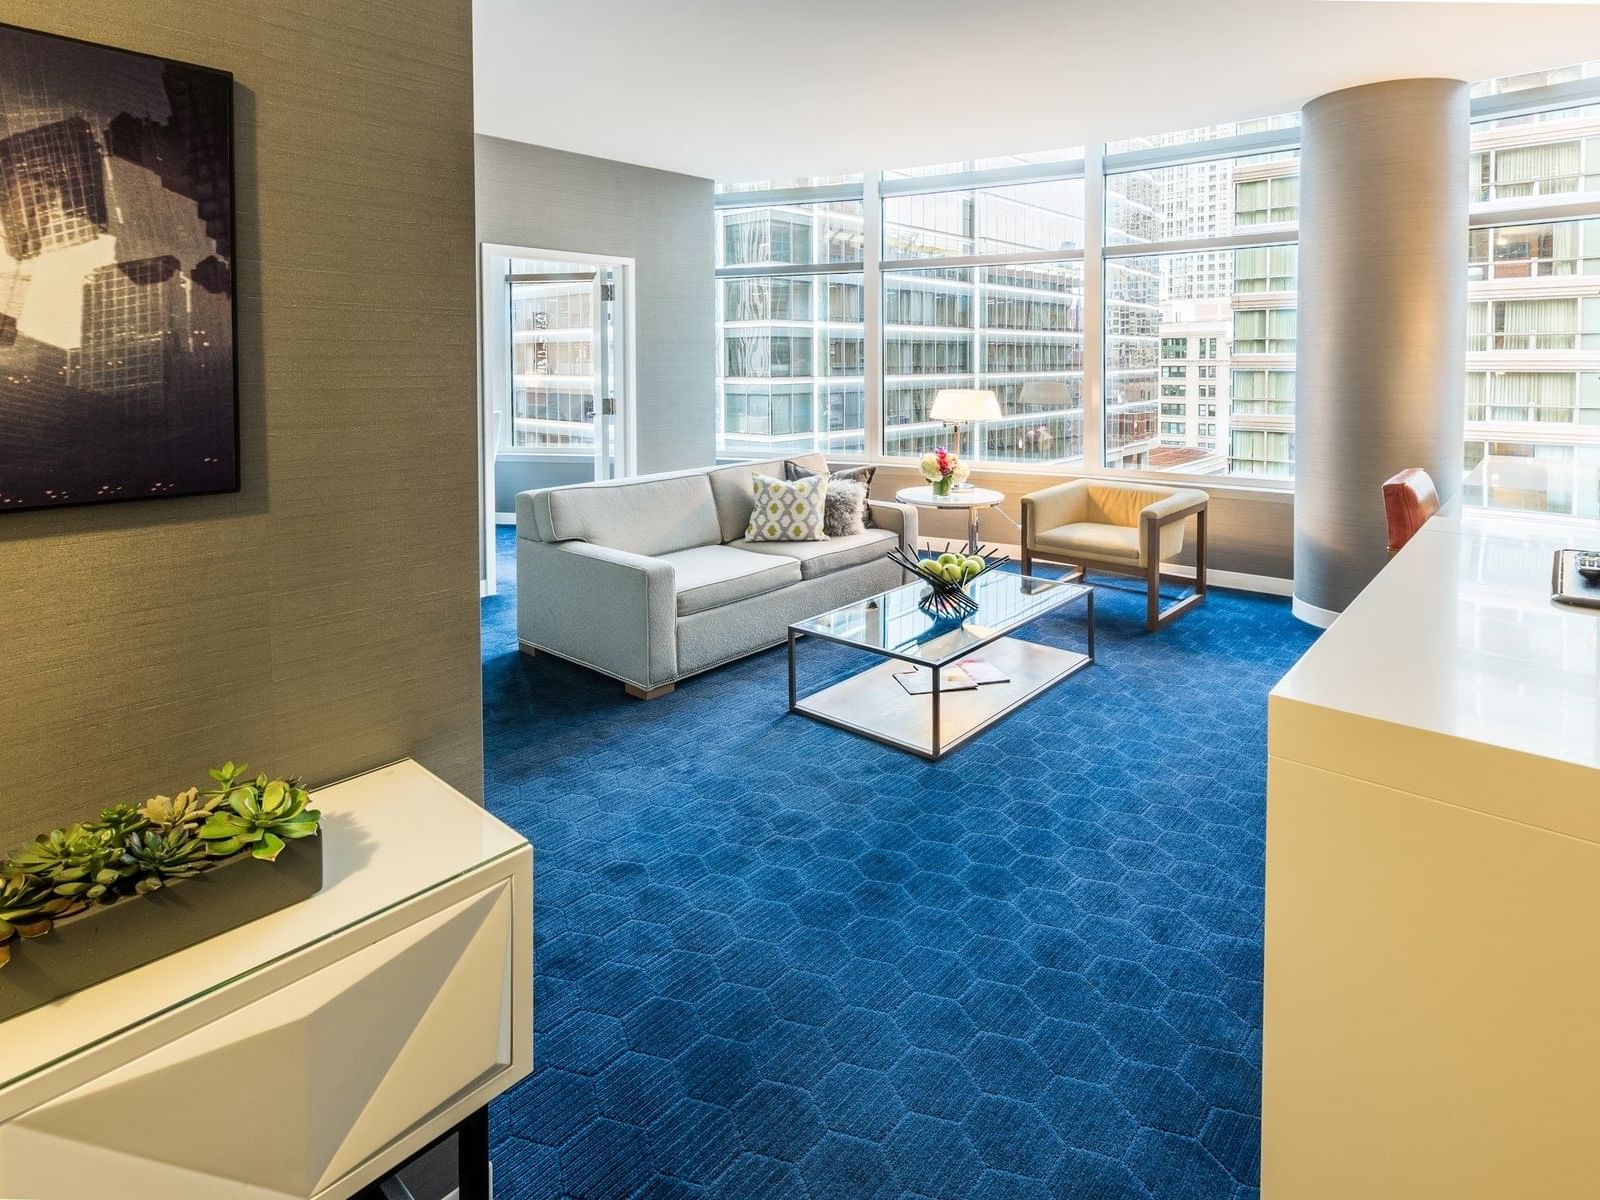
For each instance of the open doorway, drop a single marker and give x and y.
(557, 375)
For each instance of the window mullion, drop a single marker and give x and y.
(1094, 325)
(873, 397)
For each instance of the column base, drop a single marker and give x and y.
(1311, 614)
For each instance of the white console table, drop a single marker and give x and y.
(308, 1053)
(1433, 881)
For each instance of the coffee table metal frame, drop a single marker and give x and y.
(1063, 664)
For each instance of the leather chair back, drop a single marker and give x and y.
(1409, 499)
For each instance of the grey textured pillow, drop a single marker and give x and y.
(845, 508)
(862, 475)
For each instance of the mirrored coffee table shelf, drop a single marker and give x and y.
(895, 627)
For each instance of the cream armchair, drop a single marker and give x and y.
(1124, 528)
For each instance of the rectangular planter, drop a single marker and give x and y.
(108, 939)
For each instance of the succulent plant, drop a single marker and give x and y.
(186, 810)
(157, 856)
(260, 815)
(80, 861)
(225, 776)
(27, 907)
(138, 850)
(120, 820)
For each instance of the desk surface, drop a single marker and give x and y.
(390, 835)
(1458, 636)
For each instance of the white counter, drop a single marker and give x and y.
(367, 1020)
(1458, 638)
(1433, 881)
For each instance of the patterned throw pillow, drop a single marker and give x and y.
(861, 475)
(845, 507)
(788, 511)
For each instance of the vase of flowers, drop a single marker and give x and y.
(944, 469)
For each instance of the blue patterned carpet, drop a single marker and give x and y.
(774, 960)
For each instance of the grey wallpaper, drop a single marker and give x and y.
(323, 620)
(553, 200)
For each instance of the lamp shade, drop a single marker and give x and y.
(1043, 393)
(964, 404)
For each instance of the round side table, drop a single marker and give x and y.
(974, 500)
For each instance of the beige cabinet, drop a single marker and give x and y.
(1432, 1008)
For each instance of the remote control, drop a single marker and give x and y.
(1587, 564)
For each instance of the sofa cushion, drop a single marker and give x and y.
(798, 469)
(820, 558)
(786, 511)
(845, 512)
(1115, 543)
(710, 576)
(651, 515)
(733, 490)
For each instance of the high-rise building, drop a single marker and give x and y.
(135, 327)
(52, 188)
(1533, 318)
(1196, 337)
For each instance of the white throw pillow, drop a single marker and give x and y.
(788, 511)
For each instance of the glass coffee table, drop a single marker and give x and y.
(895, 627)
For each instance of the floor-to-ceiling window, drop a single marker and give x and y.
(1133, 305)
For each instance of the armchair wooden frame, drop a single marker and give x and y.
(1156, 617)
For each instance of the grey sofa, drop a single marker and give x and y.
(650, 580)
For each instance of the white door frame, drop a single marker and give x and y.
(494, 373)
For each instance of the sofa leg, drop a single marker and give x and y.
(530, 651)
(655, 693)
(1152, 604)
(1027, 562)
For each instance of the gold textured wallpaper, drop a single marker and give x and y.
(323, 620)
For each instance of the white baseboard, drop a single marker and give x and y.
(485, 589)
(1311, 614)
(1267, 585)
(509, 518)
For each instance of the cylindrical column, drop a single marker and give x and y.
(1382, 320)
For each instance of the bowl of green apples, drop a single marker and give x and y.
(948, 575)
(951, 568)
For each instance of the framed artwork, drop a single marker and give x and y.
(117, 311)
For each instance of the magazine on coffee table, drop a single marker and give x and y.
(918, 681)
(982, 671)
(958, 677)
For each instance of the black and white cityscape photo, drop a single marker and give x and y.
(116, 275)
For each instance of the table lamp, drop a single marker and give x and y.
(959, 406)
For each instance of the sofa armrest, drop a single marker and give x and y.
(607, 609)
(901, 518)
(1063, 504)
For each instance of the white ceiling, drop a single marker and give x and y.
(758, 89)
